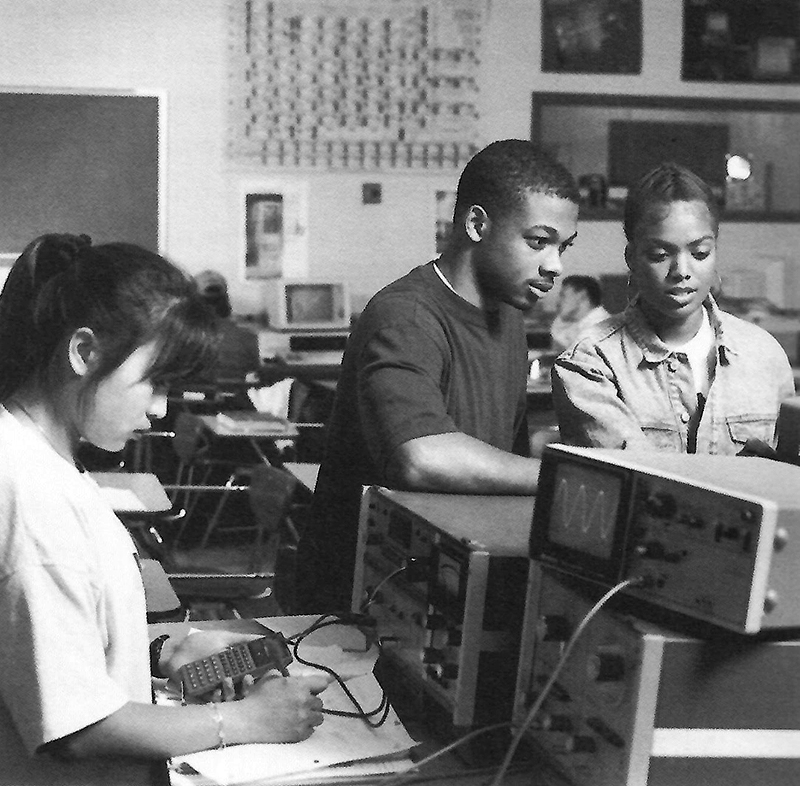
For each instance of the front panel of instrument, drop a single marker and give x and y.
(695, 550)
(637, 705)
(699, 534)
(448, 612)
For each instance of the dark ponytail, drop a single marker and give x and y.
(127, 295)
(25, 310)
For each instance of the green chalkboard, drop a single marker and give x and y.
(79, 163)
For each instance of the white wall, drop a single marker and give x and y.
(179, 47)
(174, 46)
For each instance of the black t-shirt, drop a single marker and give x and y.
(420, 361)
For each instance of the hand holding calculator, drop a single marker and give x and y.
(255, 657)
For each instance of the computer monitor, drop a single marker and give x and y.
(312, 305)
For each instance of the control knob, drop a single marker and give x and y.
(661, 505)
(606, 666)
(580, 743)
(553, 627)
(432, 655)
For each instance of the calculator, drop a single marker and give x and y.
(254, 657)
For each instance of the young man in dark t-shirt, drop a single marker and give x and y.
(431, 395)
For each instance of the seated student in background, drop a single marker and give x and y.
(90, 338)
(579, 307)
(672, 372)
(238, 354)
(431, 395)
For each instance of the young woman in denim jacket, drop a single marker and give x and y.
(672, 372)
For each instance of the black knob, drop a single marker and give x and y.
(605, 666)
(454, 638)
(661, 505)
(653, 549)
(553, 627)
(557, 723)
(581, 743)
(432, 655)
(435, 622)
(450, 671)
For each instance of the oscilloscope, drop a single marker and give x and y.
(713, 537)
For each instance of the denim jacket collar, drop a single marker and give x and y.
(654, 350)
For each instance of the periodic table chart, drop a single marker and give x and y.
(354, 84)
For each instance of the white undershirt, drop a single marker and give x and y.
(700, 351)
(444, 280)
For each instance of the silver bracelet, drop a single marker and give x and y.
(220, 727)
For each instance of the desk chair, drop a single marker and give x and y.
(138, 455)
(173, 595)
(196, 463)
(276, 523)
(271, 493)
(208, 398)
(209, 595)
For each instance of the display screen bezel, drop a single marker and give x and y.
(441, 593)
(544, 548)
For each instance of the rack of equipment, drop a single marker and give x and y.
(638, 705)
(444, 577)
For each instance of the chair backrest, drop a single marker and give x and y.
(189, 440)
(271, 492)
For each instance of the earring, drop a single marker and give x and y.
(630, 289)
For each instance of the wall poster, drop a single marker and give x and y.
(592, 36)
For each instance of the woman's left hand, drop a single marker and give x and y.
(201, 644)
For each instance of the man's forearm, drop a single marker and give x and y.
(460, 464)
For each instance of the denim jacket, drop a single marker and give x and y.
(622, 387)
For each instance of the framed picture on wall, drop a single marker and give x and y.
(265, 235)
(592, 36)
(741, 41)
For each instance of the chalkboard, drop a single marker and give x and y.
(79, 163)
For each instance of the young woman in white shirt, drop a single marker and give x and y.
(90, 339)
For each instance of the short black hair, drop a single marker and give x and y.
(588, 284)
(667, 183)
(500, 176)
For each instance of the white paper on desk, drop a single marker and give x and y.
(336, 741)
(273, 398)
(346, 663)
(122, 499)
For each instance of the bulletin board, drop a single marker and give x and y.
(79, 163)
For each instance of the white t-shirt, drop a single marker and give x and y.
(700, 351)
(74, 645)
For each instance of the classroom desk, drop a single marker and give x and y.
(137, 498)
(310, 367)
(133, 494)
(446, 770)
(251, 426)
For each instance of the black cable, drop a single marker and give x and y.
(324, 621)
(537, 704)
(370, 599)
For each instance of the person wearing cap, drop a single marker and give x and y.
(238, 351)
